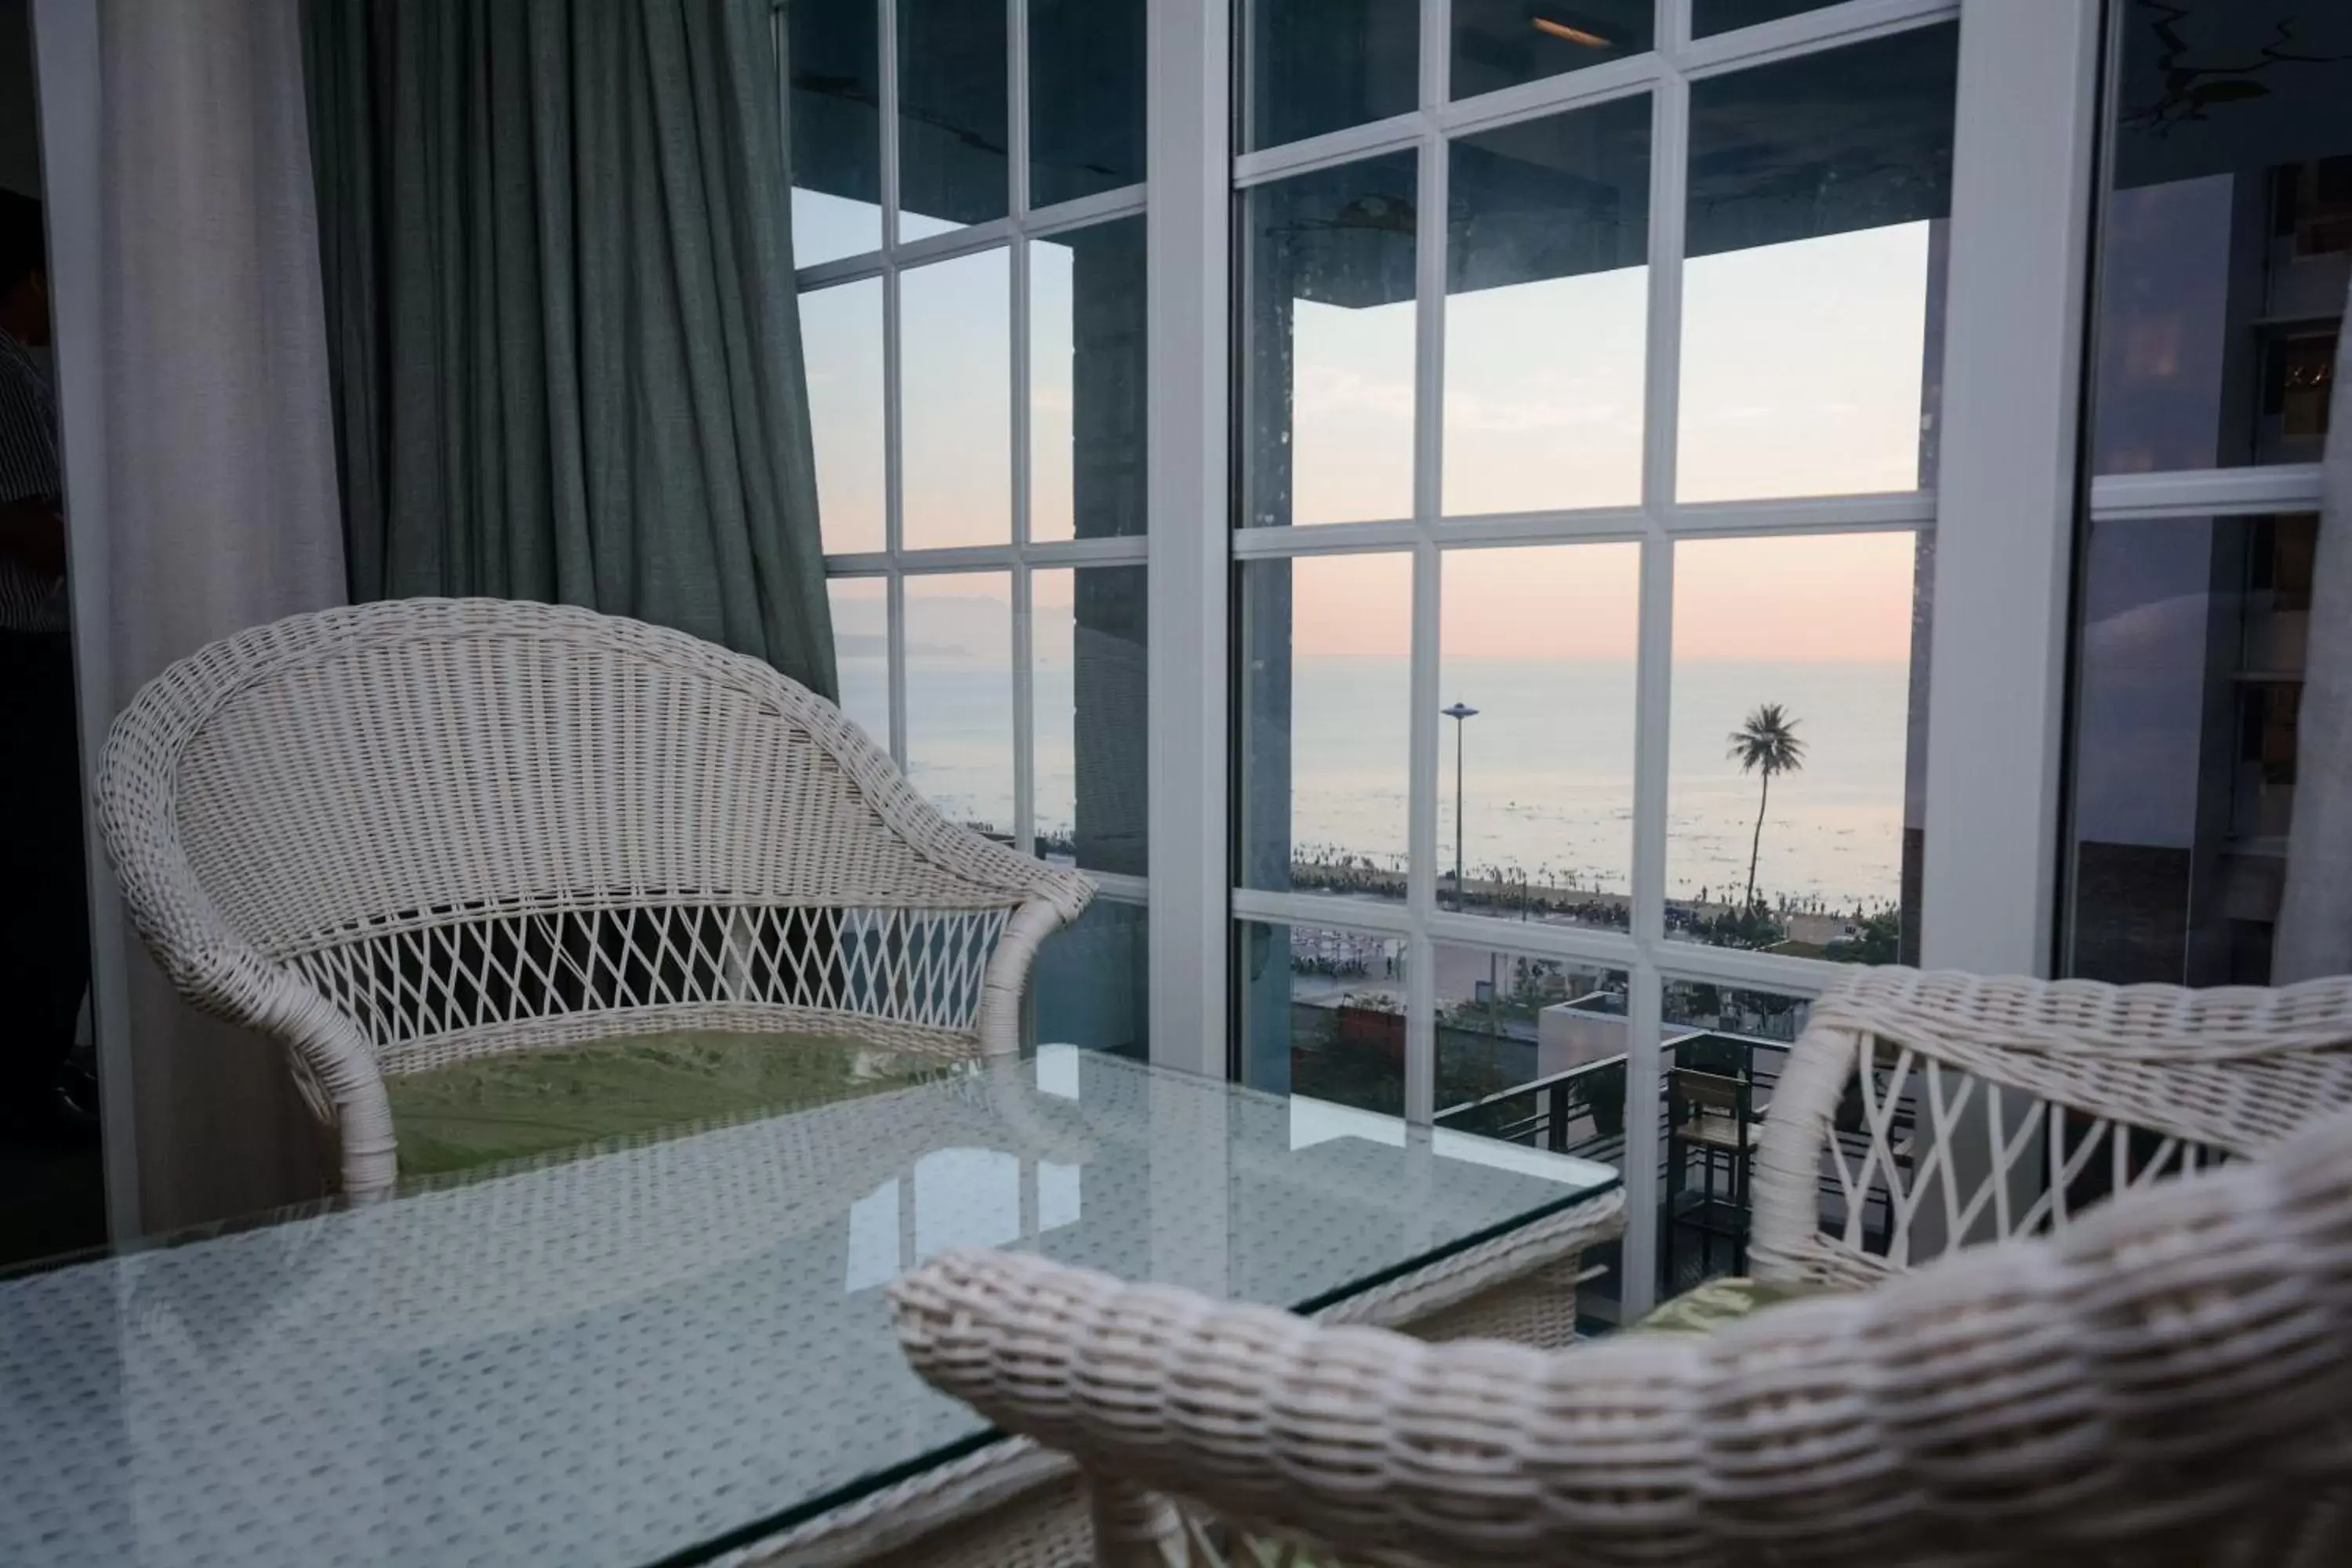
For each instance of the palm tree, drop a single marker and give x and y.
(1766, 743)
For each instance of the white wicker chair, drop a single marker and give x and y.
(1921, 1112)
(2166, 1380)
(404, 834)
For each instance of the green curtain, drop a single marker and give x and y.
(566, 356)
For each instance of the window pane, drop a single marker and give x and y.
(1532, 1050)
(1092, 982)
(952, 63)
(861, 651)
(1312, 66)
(1326, 695)
(2227, 237)
(841, 338)
(1814, 297)
(960, 696)
(1328, 398)
(1323, 1014)
(1540, 643)
(1088, 645)
(1546, 312)
(2190, 668)
(1725, 1049)
(1819, 631)
(956, 394)
(1087, 384)
(836, 132)
(1501, 43)
(1086, 98)
(1722, 16)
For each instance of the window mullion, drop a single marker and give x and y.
(1653, 667)
(893, 486)
(1025, 640)
(1188, 151)
(2021, 200)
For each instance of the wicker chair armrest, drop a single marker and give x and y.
(2174, 1360)
(1064, 895)
(2227, 1071)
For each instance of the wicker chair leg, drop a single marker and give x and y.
(1133, 1527)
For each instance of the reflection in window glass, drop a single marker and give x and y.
(1798, 742)
(836, 132)
(960, 696)
(841, 341)
(1326, 698)
(1093, 983)
(1546, 312)
(1312, 66)
(956, 401)
(1087, 653)
(1540, 644)
(1087, 384)
(1502, 43)
(1710, 17)
(2189, 675)
(1329, 389)
(1813, 297)
(1323, 1014)
(861, 651)
(2227, 243)
(1725, 1049)
(953, 57)
(1086, 98)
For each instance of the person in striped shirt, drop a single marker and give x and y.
(43, 940)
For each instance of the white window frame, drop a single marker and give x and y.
(2013, 315)
(1020, 556)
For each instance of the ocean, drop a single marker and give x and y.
(1548, 768)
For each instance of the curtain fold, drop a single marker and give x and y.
(2314, 928)
(556, 247)
(218, 496)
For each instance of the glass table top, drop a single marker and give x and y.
(656, 1353)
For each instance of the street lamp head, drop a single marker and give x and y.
(1460, 710)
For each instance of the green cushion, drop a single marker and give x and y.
(1705, 1308)
(569, 1099)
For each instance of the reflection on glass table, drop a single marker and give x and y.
(675, 1346)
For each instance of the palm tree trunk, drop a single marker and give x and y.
(1756, 847)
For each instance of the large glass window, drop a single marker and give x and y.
(1530, 531)
(834, 53)
(2226, 242)
(1328, 389)
(1813, 296)
(1502, 43)
(1326, 723)
(1798, 739)
(2228, 233)
(1545, 309)
(1311, 66)
(1537, 656)
(978, 409)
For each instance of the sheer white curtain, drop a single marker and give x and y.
(200, 478)
(2315, 930)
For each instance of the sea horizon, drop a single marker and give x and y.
(1548, 767)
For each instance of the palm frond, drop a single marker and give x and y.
(1766, 743)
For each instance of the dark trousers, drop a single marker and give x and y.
(44, 901)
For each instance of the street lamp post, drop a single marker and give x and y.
(1460, 713)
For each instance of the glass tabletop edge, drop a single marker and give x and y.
(867, 1486)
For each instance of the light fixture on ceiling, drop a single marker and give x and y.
(1573, 35)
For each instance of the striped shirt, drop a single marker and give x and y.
(30, 601)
